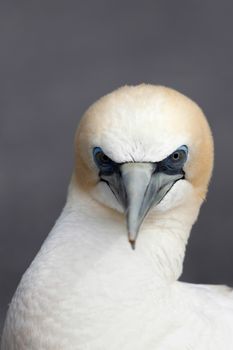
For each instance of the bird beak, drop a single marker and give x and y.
(144, 187)
(138, 187)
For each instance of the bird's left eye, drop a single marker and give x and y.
(175, 162)
(104, 163)
(178, 155)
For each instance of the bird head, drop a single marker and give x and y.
(142, 150)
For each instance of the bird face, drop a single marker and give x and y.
(144, 149)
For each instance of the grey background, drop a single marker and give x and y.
(57, 57)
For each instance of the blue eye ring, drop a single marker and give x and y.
(103, 162)
(180, 155)
(174, 163)
(100, 157)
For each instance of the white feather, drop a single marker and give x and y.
(88, 290)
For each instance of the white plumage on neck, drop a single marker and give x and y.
(93, 291)
(87, 271)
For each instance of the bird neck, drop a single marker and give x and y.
(102, 235)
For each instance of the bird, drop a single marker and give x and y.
(107, 275)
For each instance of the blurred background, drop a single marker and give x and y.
(56, 58)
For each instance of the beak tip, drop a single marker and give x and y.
(133, 243)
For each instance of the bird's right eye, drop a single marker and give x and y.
(104, 163)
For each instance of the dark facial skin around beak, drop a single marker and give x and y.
(138, 187)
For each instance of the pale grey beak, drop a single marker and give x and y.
(138, 187)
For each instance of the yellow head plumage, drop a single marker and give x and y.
(144, 124)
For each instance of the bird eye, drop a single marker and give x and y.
(104, 163)
(178, 155)
(102, 159)
(175, 162)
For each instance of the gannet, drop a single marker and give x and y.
(143, 161)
